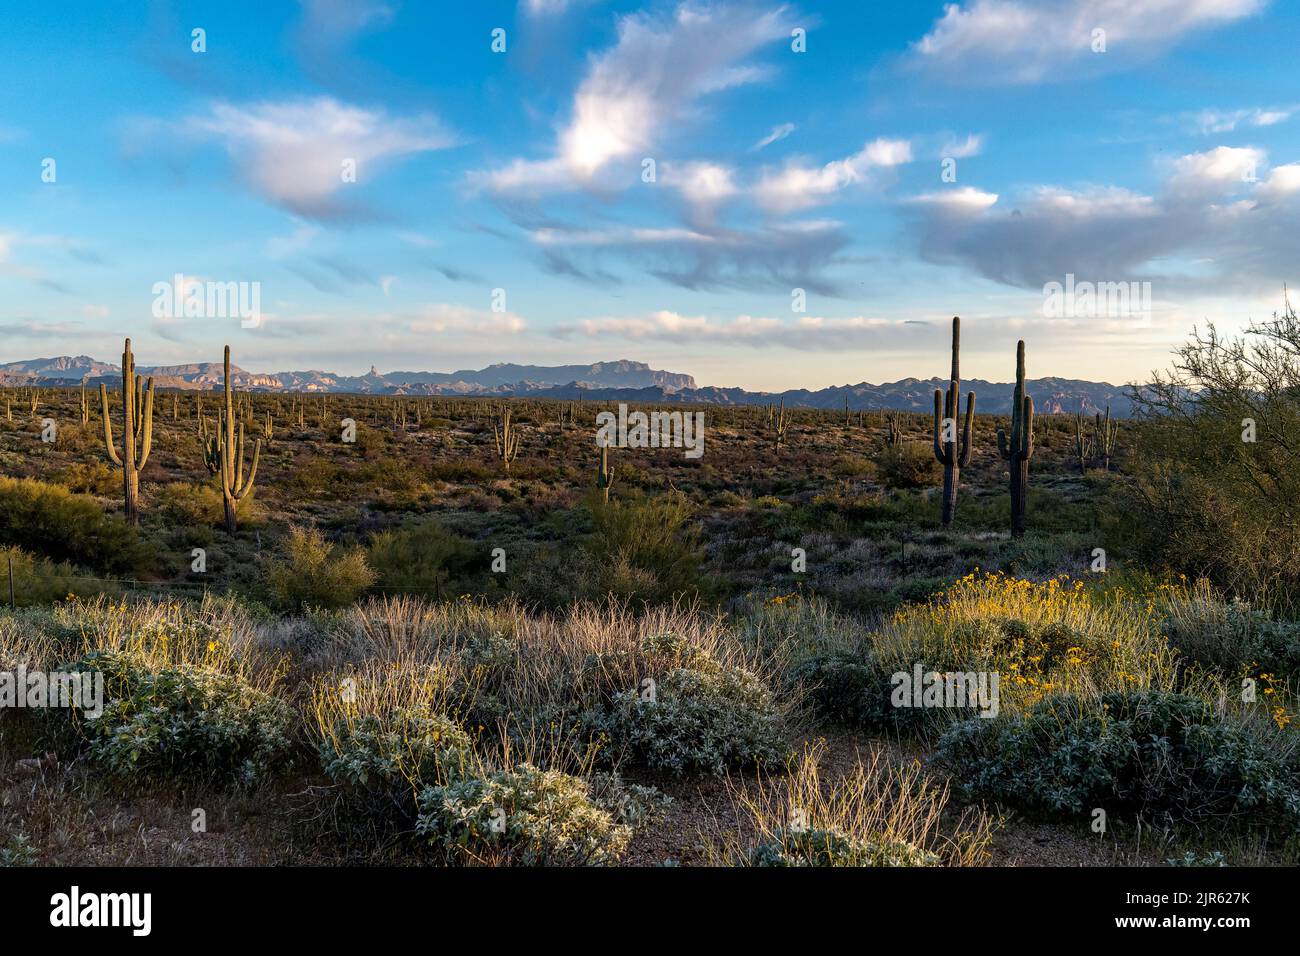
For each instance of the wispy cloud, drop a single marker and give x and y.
(1016, 41)
(778, 133)
(1225, 121)
(299, 154)
(653, 75)
(798, 187)
(805, 333)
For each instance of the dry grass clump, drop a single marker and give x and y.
(879, 813)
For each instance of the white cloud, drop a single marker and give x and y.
(1223, 222)
(963, 198)
(964, 149)
(1021, 42)
(445, 317)
(1217, 170)
(798, 187)
(651, 77)
(1221, 121)
(704, 186)
(777, 133)
(293, 153)
(1282, 181)
(548, 8)
(807, 333)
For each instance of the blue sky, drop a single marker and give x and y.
(501, 209)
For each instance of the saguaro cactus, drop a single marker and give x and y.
(777, 419)
(230, 456)
(1018, 447)
(507, 438)
(605, 474)
(953, 454)
(1105, 431)
(1082, 443)
(893, 430)
(137, 432)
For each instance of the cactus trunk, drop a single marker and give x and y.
(1018, 447)
(952, 450)
(137, 432)
(230, 456)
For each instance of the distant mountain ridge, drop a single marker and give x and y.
(623, 380)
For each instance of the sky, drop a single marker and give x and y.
(761, 195)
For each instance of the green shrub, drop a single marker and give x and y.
(386, 760)
(183, 723)
(312, 573)
(1203, 500)
(17, 850)
(699, 721)
(41, 581)
(523, 816)
(425, 558)
(1147, 751)
(51, 520)
(818, 847)
(854, 690)
(201, 505)
(94, 478)
(1232, 638)
(645, 548)
(843, 688)
(910, 465)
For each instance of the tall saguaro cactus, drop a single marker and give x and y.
(605, 472)
(137, 432)
(1105, 430)
(230, 456)
(951, 450)
(507, 437)
(1082, 443)
(1018, 447)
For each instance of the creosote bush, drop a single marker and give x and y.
(311, 572)
(909, 465)
(51, 521)
(426, 559)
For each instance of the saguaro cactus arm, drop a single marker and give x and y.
(146, 424)
(108, 426)
(967, 445)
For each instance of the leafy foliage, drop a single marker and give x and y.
(183, 723)
(1150, 751)
(524, 816)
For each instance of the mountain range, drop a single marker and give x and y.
(623, 380)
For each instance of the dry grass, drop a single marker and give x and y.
(877, 801)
